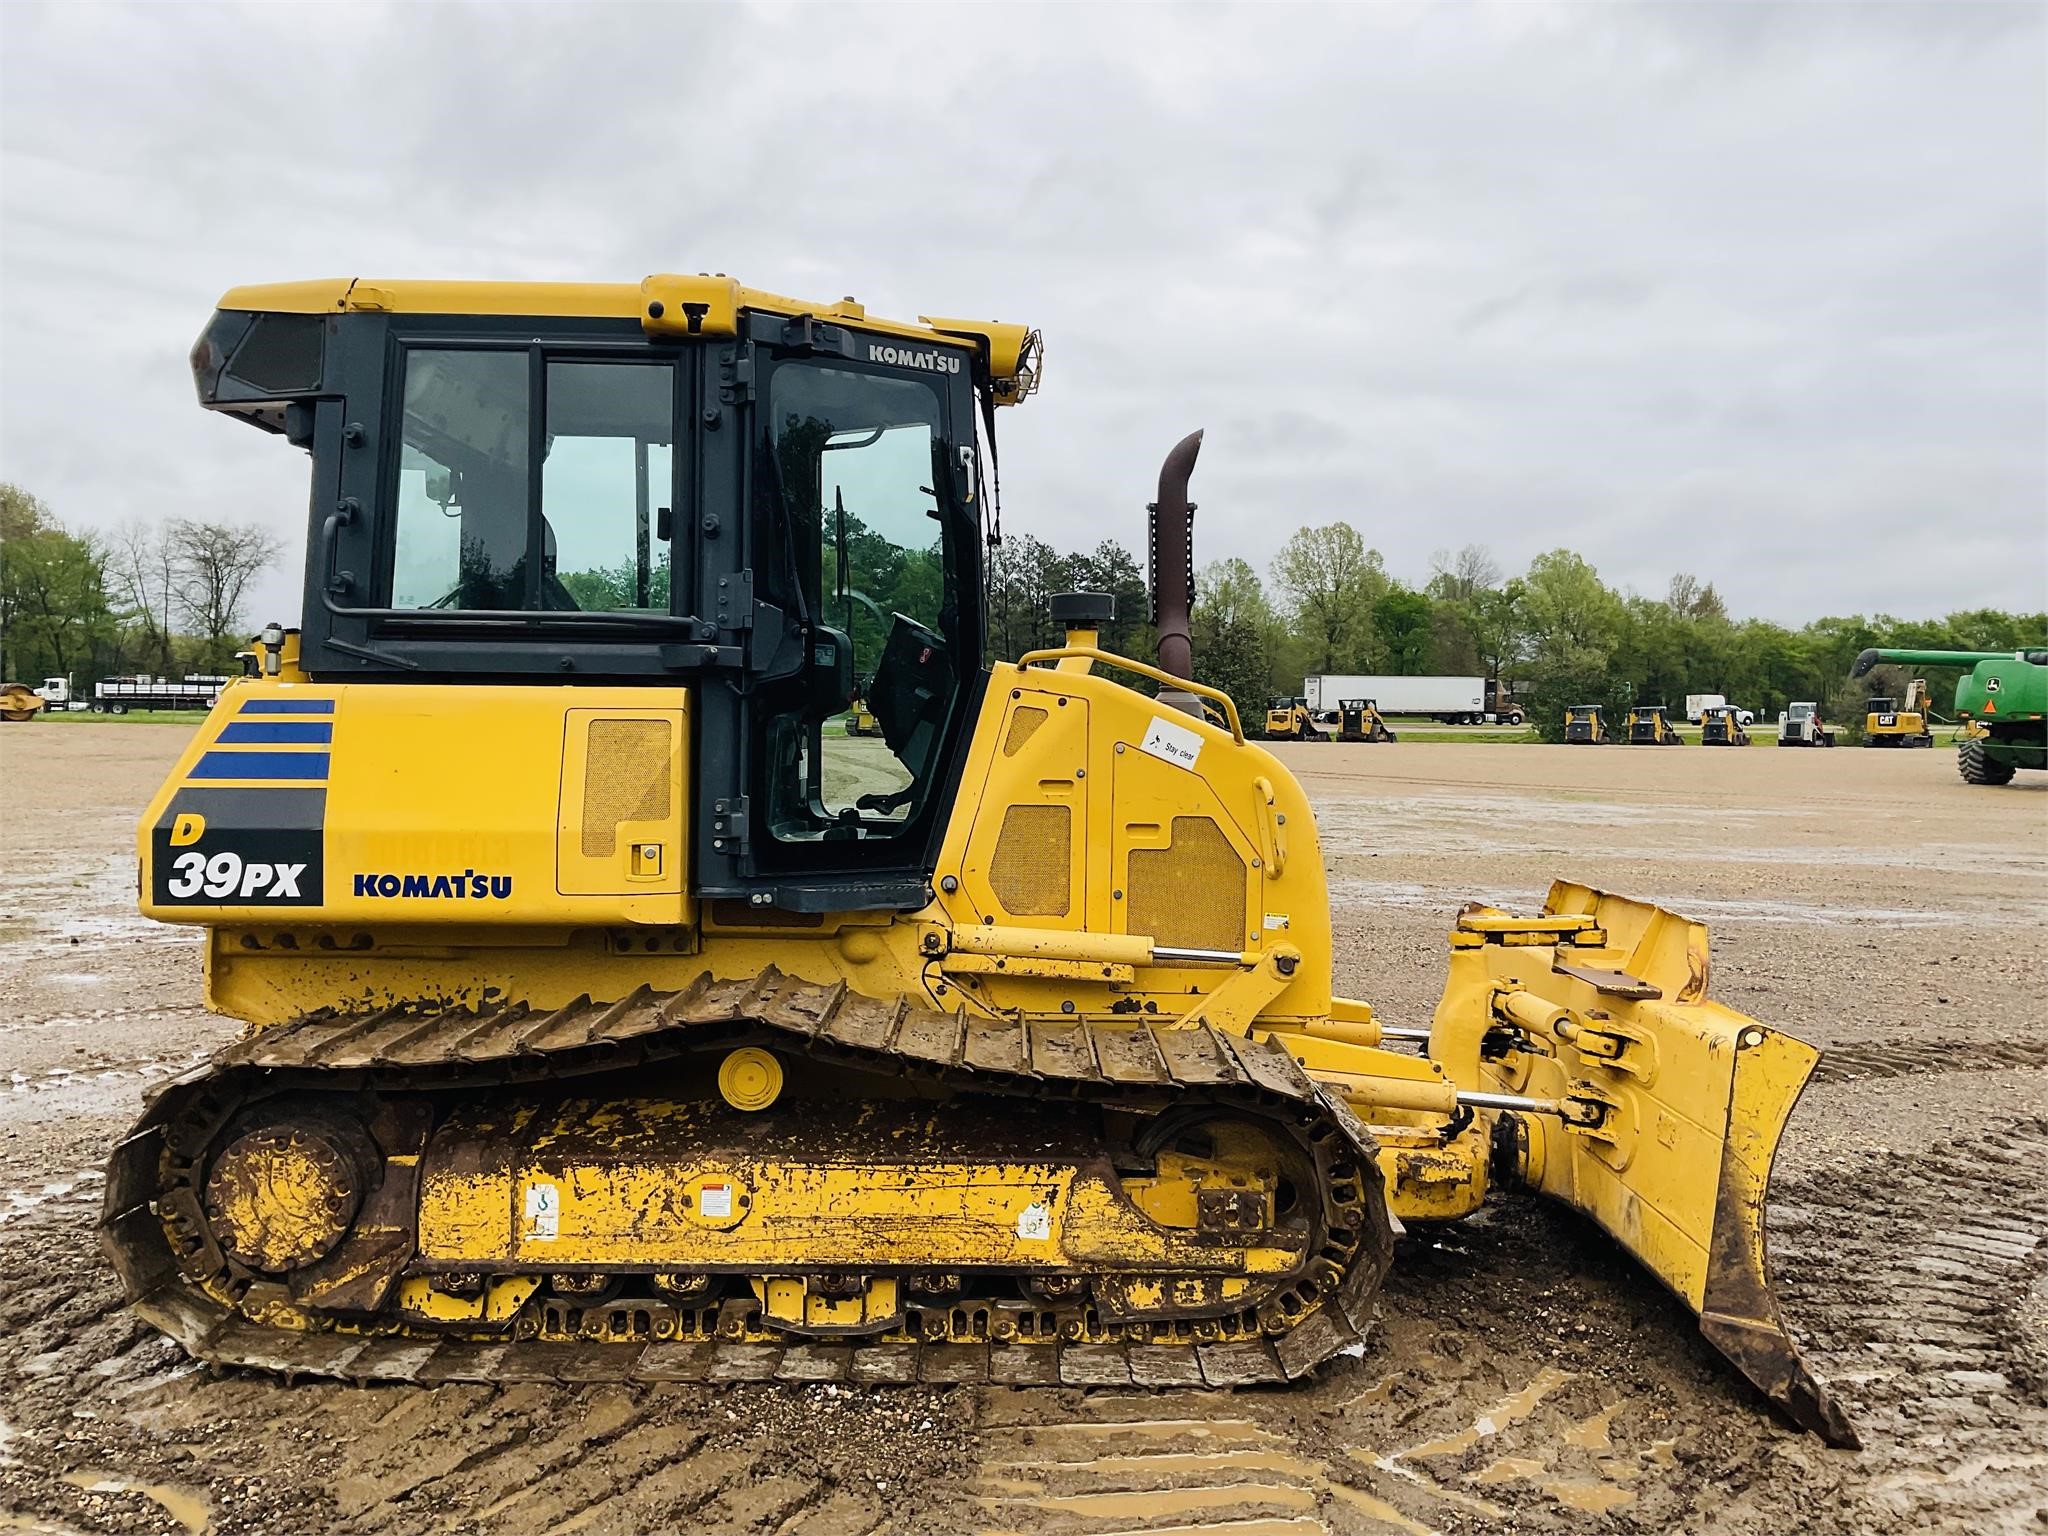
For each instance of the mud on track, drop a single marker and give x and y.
(1524, 1377)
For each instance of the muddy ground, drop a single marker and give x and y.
(1525, 1376)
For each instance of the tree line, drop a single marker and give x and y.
(162, 599)
(1555, 634)
(168, 599)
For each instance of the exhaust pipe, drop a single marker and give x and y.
(1171, 540)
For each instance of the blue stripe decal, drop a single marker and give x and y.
(278, 706)
(275, 732)
(260, 765)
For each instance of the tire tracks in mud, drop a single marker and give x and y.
(1856, 1061)
(101, 1422)
(1915, 1278)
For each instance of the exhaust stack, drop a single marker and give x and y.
(1171, 541)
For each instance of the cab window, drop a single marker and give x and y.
(866, 550)
(468, 535)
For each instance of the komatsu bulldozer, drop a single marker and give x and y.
(610, 1018)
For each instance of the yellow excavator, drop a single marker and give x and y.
(610, 1018)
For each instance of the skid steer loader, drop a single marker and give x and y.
(1290, 719)
(1649, 725)
(1360, 720)
(612, 1019)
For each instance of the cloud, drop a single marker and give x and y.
(1758, 292)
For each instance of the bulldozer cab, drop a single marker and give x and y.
(1584, 724)
(771, 507)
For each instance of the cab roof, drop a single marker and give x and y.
(667, 305)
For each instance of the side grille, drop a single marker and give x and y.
(626, 778)
(1032, 871)
(1189, 894)
(1023, 721)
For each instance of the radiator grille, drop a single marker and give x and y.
(1023, 721)
(625, 778)
(1032, 871)
(1189, 894)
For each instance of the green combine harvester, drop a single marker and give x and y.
(2003, 704)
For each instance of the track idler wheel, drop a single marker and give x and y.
(280, 1197)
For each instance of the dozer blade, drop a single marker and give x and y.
(1661, 1110)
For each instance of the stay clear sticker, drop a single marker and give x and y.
(716, 1201)
(1172, 743)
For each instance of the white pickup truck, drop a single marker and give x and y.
(1697, 705)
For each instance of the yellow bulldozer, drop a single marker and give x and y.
(609, 1018)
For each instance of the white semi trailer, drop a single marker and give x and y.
(1453, 700)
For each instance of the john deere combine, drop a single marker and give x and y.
(2002, 701)
(611, 1018)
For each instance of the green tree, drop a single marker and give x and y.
(1236, 635)
(1023, 575)
(1401, 620)
(1574, 623)
(1111, 568)
(55, 620)
(1331, 582)
(1499, 627)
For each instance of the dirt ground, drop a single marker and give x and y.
(1524, 1376)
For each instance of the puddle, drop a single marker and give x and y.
(1378, 1392)
(1347, 891)
(1509, 1410)
(1510, 1469)
(1589, 1498)
(1254, 1527)
(1523, 826)
(61, 1092)
(1168, 1502)
(1237, 1431)
(92, 907)
(1591, 1434)
(36, 1525)
(184, 1505)
(1171, 1463)
(1379, 1509)
(18, 1203)
(1428, 1485)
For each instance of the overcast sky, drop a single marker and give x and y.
(1759, 292)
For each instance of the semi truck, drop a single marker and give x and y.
(1452, 700)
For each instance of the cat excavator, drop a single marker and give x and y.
(609, 1017)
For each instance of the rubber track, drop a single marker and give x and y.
(1144, 1065)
